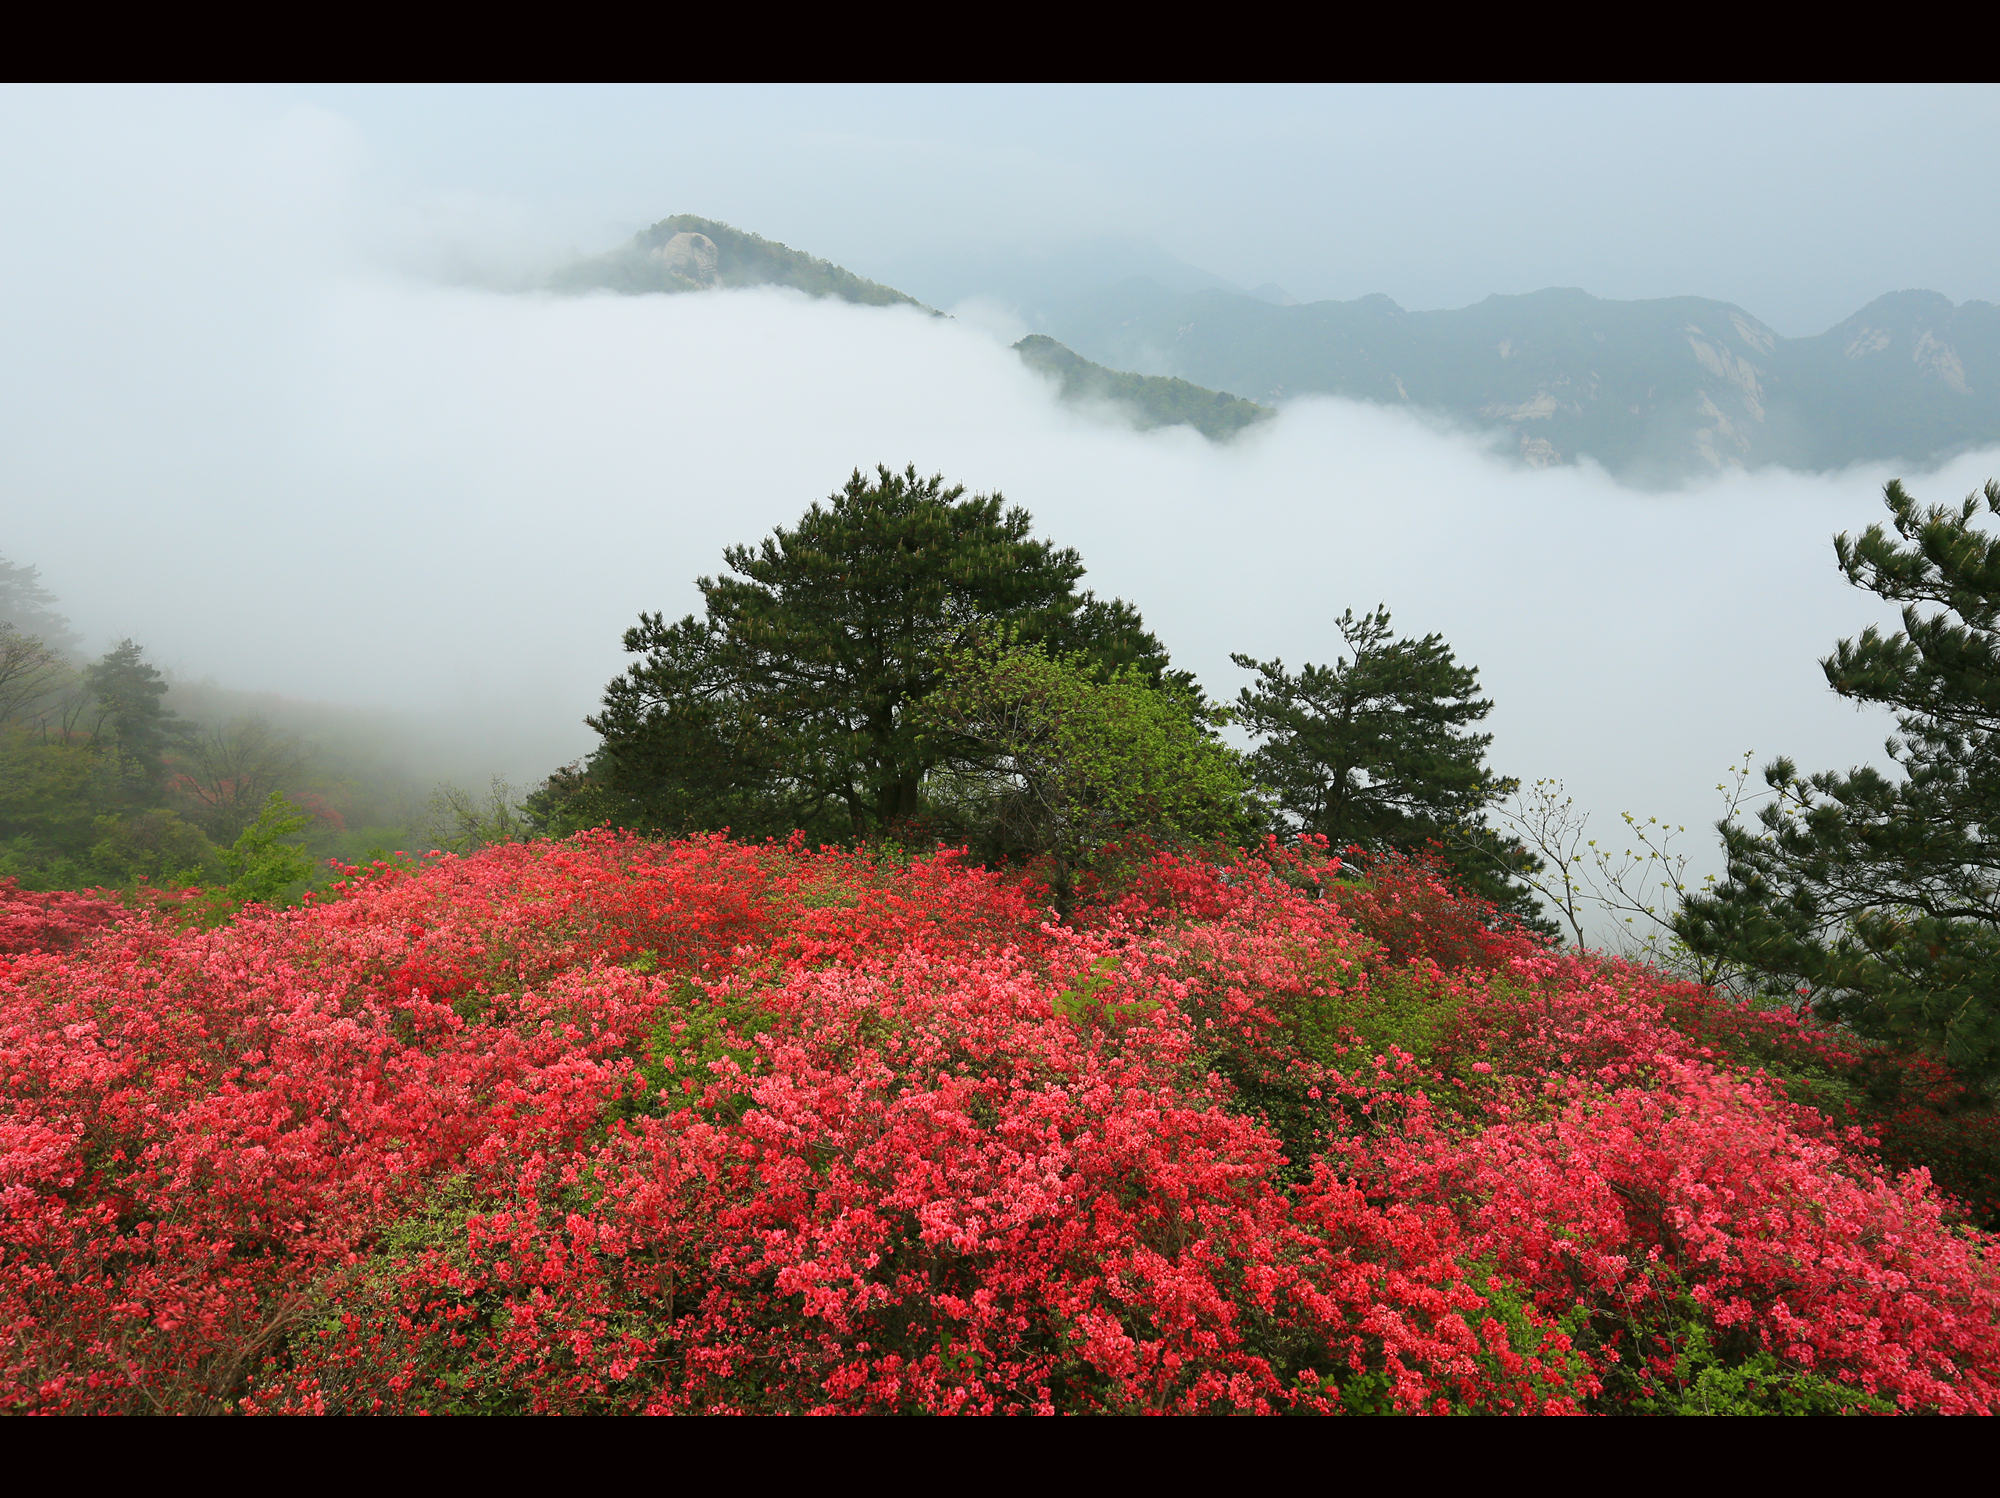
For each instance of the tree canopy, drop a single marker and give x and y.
(1873, 897)
(1063, 760)
(788, 703)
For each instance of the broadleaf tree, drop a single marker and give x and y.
(1068, 763)
(1875, 897)
(261, 864)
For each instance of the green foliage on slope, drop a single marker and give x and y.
(1153, 400)
(112, 772)
(1065, 760)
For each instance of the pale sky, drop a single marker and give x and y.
(1799, 204)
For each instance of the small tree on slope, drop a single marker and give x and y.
(1377, 750)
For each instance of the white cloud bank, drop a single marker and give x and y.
(224, 433)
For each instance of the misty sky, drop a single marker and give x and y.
(1800, 204)
(261, 409)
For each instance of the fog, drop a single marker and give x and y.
(227, 430)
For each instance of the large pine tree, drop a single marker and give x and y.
(788, 704)
(1877, 897)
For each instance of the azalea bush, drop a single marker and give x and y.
(50, 920)
(611, 1125)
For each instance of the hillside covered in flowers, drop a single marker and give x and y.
(608, 1125)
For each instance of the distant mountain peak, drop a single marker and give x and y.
(685, 253)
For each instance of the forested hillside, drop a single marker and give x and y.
(1152, 400)
(115, 774)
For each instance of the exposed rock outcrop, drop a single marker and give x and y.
(693, 258)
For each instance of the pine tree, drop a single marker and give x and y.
(1876, 898)
(31, 608)
(1377, 751)
(135, 728)
(789, 703)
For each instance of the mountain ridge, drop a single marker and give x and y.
(1652, 389)
(1655, 390)
(1153, 400)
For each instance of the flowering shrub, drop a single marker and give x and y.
(50, 920)
(1916, 1110)
(1633, 1205)
(605, 1125)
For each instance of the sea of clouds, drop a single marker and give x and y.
(229, 428)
